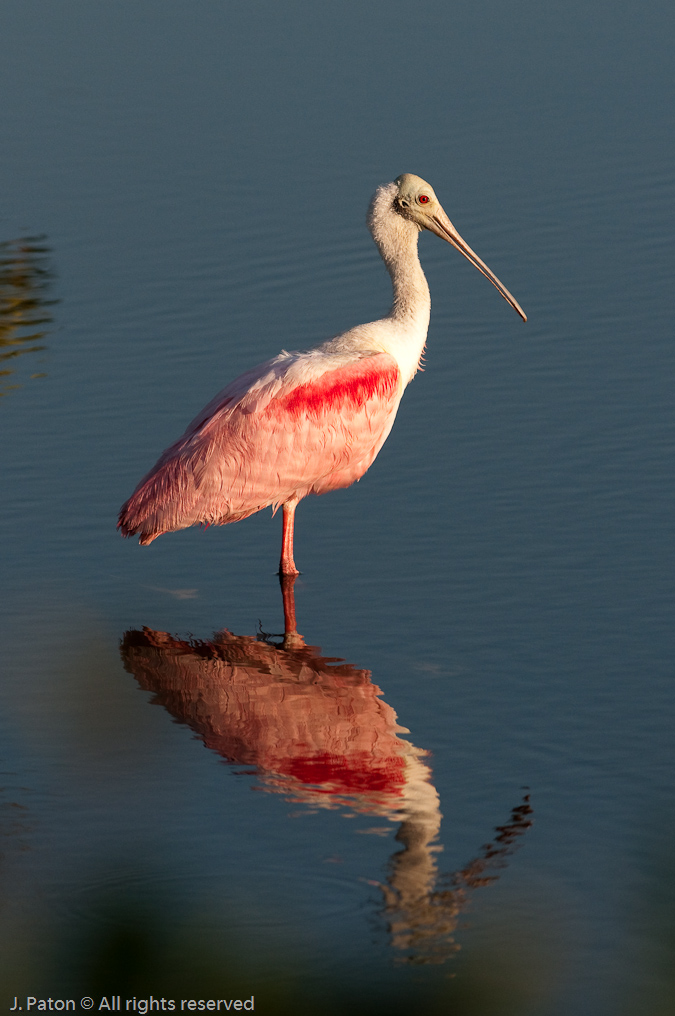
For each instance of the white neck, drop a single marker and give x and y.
(396, 239)
(404, 330)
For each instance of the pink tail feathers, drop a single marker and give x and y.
(170, 499)
(133, 519)
(160, 504)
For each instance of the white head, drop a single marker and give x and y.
(414, 200)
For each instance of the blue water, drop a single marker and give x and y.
(183, 192)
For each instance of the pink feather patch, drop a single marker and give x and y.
(344, 388)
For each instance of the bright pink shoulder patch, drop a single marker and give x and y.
(373, 377)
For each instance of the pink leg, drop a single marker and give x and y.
(287, 564)
(292, 639)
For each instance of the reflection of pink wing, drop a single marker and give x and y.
(316, 731)
(321, 735)
(297, 425)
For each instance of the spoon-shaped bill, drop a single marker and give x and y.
(440, 224)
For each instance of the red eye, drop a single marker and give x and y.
(423, 199)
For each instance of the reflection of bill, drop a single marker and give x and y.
(317, 730)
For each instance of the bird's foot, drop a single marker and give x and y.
(288, 571)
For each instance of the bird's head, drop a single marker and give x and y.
(415, 200)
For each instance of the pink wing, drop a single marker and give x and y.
(268, 437)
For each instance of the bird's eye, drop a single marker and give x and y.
(423, 199)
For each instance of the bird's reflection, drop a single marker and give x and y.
(24, 316)
(318, 731)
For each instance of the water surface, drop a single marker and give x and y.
(183, 195)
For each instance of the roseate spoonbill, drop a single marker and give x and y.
(309, 422)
